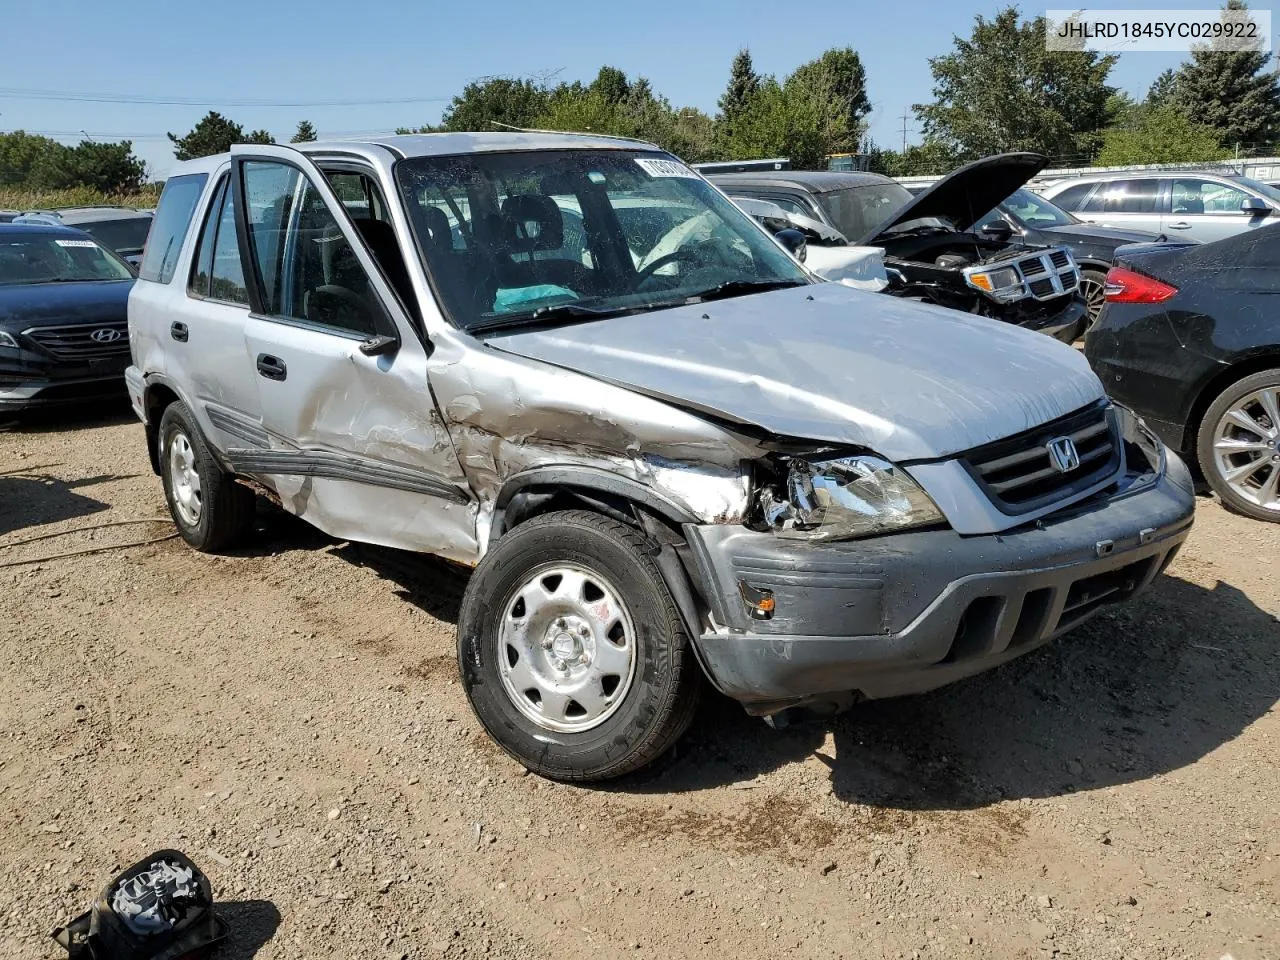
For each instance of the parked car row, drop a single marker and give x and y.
(122, 229)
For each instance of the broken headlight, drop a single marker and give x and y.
(1139, 439)
(840, 499)
(999, 283)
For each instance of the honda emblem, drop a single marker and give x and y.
(1063, 454)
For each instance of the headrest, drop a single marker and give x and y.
(532, 222)
(437, 224)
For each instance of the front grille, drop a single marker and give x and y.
(1042, 289)
(1059, 259)
(1048, 274)
(1019, 474)
(82, 341)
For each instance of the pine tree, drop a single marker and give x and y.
(744, 84)
(306, 133)
(1229, 91)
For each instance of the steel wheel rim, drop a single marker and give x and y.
(184, 479)
(1246, 448)
(1093, 292)
(566, 648)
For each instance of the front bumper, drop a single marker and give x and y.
(1066, 323)
(26, 385)
(911, 612)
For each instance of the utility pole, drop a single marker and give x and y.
(904, 130)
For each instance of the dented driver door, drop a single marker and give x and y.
(354, 442)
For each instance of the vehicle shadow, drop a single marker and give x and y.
(105, 413)
(34, 499)
(430, 583)
(252, 924)
(1142, 690)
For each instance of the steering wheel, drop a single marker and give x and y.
(675, 256)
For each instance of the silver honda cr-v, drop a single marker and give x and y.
(671, 455)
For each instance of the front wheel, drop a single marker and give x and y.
(1239, 446)
(1093, 284)
(572, 653)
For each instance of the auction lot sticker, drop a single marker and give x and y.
(664, 168)
(1125, 31)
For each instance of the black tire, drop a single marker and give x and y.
(1229, 398)
(1092, 282)
(226, 509)
(663, 694)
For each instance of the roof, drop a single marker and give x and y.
(1049, 179)
(40, 229)
(814, 181)
(443, 144)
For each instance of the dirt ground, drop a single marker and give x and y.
(290, 717)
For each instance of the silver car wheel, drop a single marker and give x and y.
(566, 648)
(184, 479)
(1093, 293)
(1246, 448)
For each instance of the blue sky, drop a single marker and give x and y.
(268, 50)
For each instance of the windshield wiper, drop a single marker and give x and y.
(738, 288)
(558, 313)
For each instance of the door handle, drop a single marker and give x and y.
(178, 330)
(271, 367)
(1180, 225)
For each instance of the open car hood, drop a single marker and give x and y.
(965, 196)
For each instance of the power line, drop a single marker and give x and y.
(16, 93)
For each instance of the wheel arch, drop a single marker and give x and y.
(552, 488)
(1214, 387)
(156, 396)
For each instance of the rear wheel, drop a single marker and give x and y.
(1092, 285)
(1239, 446)
(572, 653)
(211, 511)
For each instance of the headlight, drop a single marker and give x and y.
(6, 340)
(1001, 283)
(846, 498)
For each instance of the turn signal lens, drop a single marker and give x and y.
(1129, 286)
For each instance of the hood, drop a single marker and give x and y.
(965, 196)
(1091, 231)
(829, 363)
(42, 304)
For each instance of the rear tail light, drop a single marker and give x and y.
(1129, 286)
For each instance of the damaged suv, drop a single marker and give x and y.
(671, 455)
(931, 253)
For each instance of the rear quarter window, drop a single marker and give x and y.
(169, 229)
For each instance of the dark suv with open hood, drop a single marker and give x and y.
(930, 250)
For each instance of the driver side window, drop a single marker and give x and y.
(309, 270)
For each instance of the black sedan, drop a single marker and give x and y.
(1189, 338)
(63, 320)
(1034, 220)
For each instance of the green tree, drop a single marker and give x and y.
(1001, 90)
(1159, 134)
(498, 100)
(258, 136)
(744, 83)
(1163, 90)
(213, 134)
(1230, 90)
(611, 84)
(106, 167)
(28, 159)
(305, 133)
(930, 158)
(832, 93)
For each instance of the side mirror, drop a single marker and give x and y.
(794, 241)
(1255, 207)
(998, 230)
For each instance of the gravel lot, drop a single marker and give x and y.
(290, 717)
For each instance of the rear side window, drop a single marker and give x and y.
(1127, 196)
(1072, 198)
(173, 218)
(216, 273)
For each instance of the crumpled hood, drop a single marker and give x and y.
(25, 305)
(829, 363)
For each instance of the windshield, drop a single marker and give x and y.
(120, 235)
(1265, 189)
(857, 211)
(506, 236)
(1026, 209)
(56, 259)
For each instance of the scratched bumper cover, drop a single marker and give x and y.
(908, 613)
